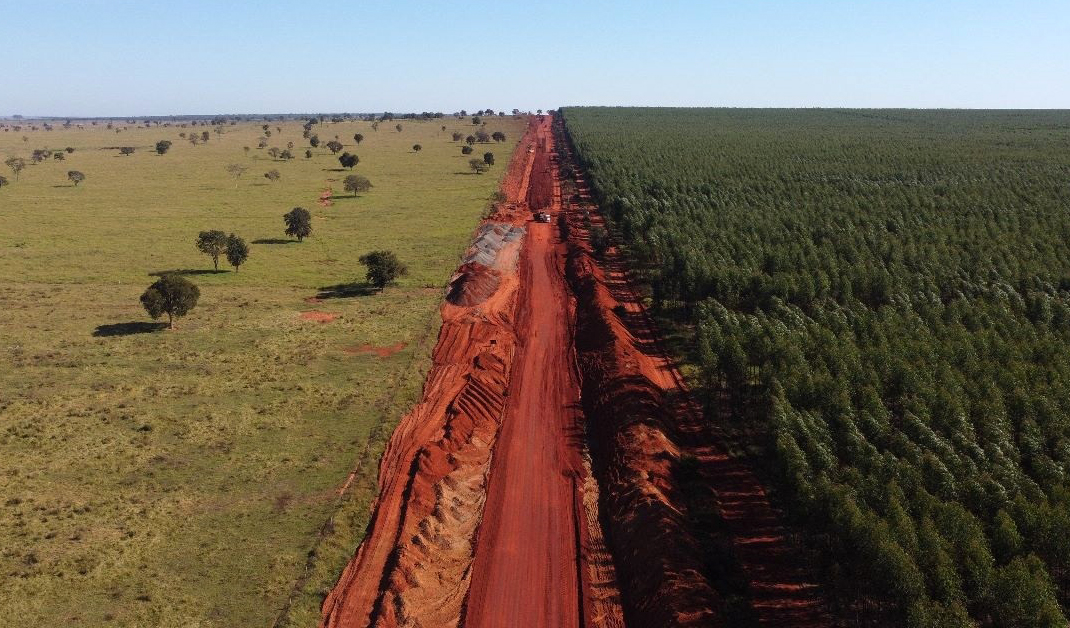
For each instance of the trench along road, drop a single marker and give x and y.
(536, 557)
(526, 570)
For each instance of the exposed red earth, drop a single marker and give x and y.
(382, 352)
(319, 317)
(641, 419)
(491, 511)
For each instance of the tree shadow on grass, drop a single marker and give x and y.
(274, 241)
(188, 271)
(346, 290)
(127, 329)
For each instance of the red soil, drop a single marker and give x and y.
(489, 511)
(641, 419)
(319, 317)
(382, 352)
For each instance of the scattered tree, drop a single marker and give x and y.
(308, 154)
(75, 177)
(498, 136)
(236, 171)
(272, 175)
(477, 166)
(298, 223)
(126, 150)
(471, 139)
(482, 137)
(466, 150)
(163, 146)
(383, 268)
(314, 141)
(286, 155)
(213, 244)
(17, 165)
(358, 138)
(237, 251)
(417, 148)
(172, 295)
(334, 146)
(398, 127)
(356, 184)
(69, 150)
(457, 136)
(488, 158)
(3, 181)
(348, 161)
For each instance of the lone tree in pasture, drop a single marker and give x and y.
(272, 175)
(358, 138)
(126, 150)
(163, 146)
(274, 152)
(356, 184)
(348, 161)
(398, 127)
(172, 295)
(417, 148)
(457, 136)
(75, 177)
(213, 244)
(488, 158)
(334, 146)
(236, 171)
(298, 223)
(466, 150)
(383, 268)
(237, 251)
(498, 136)
(17, 165)
(477, 166)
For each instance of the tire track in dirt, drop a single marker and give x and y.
(416, 562)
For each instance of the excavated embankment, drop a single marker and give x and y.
(629, 423)
(414, 566)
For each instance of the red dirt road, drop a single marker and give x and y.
(526, 566)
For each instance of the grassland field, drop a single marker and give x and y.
(182, 478)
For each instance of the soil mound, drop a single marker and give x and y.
(493, 251)
(629, 422)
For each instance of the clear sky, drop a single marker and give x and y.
(151, 57)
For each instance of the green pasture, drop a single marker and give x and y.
(190, 477)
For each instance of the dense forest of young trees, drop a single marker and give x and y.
(886, 295)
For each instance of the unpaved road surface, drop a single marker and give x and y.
(526, 566)
(487, 514)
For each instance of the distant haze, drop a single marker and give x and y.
(123, 58)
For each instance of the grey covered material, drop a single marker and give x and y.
(490, 239)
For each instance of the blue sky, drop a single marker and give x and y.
(148, 57)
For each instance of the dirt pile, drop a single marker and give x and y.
(414, 565)
(494, 251)
(629, 422)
